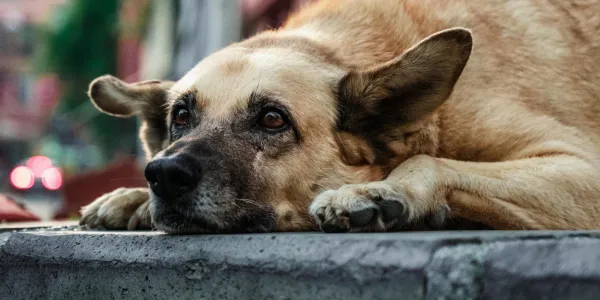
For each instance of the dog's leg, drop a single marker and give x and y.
(546, 192)
(123, 208)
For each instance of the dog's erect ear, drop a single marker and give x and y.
(375, 103)
(146, 99)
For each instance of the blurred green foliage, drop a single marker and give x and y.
(80, 44)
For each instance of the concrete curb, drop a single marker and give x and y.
(434, 265)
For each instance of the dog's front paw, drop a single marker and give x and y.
(123, 208)
(359, 207)
(368, 207)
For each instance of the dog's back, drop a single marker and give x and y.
(534, 70)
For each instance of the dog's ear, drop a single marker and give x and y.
(374, 103)
(117, 98)
(146, 99)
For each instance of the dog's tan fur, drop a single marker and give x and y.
(516, 145)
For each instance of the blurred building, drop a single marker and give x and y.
(26, 99)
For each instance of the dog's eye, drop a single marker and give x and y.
(272, 120)
(182, 117)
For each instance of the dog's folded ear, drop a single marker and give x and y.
(146, 99)
(374, 103)
(118, 98)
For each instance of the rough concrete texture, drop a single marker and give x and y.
(47, 264)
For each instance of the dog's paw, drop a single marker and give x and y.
(123, 208)
(366, 208)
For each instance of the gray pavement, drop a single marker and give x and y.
(59, 264)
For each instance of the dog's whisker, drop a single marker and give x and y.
(248, 201)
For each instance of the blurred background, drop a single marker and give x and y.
(57, 152)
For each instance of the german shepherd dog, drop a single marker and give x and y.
(374, 115)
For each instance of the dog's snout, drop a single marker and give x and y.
(172, 176)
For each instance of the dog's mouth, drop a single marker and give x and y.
(244, 217)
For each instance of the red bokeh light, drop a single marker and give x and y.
(52, 178)
(39, 164)
(22, 177)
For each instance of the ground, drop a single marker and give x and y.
(66, 263)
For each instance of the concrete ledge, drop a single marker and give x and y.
(12, 226)
(47, 264)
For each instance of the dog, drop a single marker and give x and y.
(373, 115)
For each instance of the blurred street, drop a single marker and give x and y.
(43, 206)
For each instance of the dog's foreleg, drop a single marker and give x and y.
(545, 192)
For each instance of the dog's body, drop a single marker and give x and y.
(516, 145)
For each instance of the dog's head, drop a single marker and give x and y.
(246, 139)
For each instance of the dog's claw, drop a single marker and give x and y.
(362, 217)
(392, 210)
(437, 219)
(334, 226)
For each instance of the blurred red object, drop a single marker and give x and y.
(85, 188)
(261, 15)
(11, 211)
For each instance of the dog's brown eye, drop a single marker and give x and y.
(182, 117)
(273, 120)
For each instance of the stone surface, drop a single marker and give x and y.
(36, 224)
(72, 264)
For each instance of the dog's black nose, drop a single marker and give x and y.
(172, 176)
